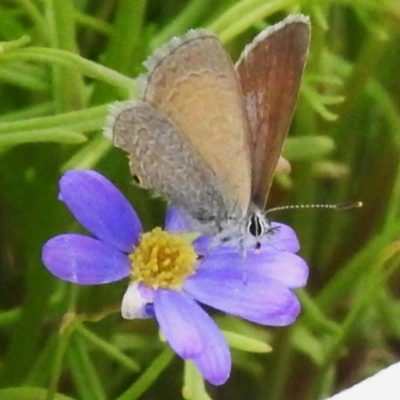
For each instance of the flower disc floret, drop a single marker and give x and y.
(162, 260)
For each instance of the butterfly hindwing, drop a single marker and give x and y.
(163, 161)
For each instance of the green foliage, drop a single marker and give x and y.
(61, 63)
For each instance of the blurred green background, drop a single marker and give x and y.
(58, 339)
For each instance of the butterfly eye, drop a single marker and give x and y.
(258, 225)
(255, 225)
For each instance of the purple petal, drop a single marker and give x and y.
(101, 208)
(266, 302)
(264, 264)
(215, 362)
(286, 268)
(178, 221)
(193, 334)
(174, 314)
(203, 244)
(282, 238)
(84, 260)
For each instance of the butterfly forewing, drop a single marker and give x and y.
(270, 71)
(193, 82)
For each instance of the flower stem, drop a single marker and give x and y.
(87, 67)
(149, 376)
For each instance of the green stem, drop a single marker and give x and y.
(48, 128)
(36, 17)
(122, 58)
(86, 67)
(68, 84)
(149, 376)
(58, 362)
(107, 348)
(191, 13)
(89, 155)
(244, 14)
(71, 120)
(93, 23)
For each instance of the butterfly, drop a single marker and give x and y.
(206, 133)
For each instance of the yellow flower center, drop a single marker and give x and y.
(163, 260)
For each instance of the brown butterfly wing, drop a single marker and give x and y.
(270, 71)
(163, 161)
(193, 82)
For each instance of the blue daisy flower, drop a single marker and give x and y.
(170, 273)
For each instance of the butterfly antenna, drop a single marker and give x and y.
(341, 206)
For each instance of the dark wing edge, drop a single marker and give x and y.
(270, 70)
